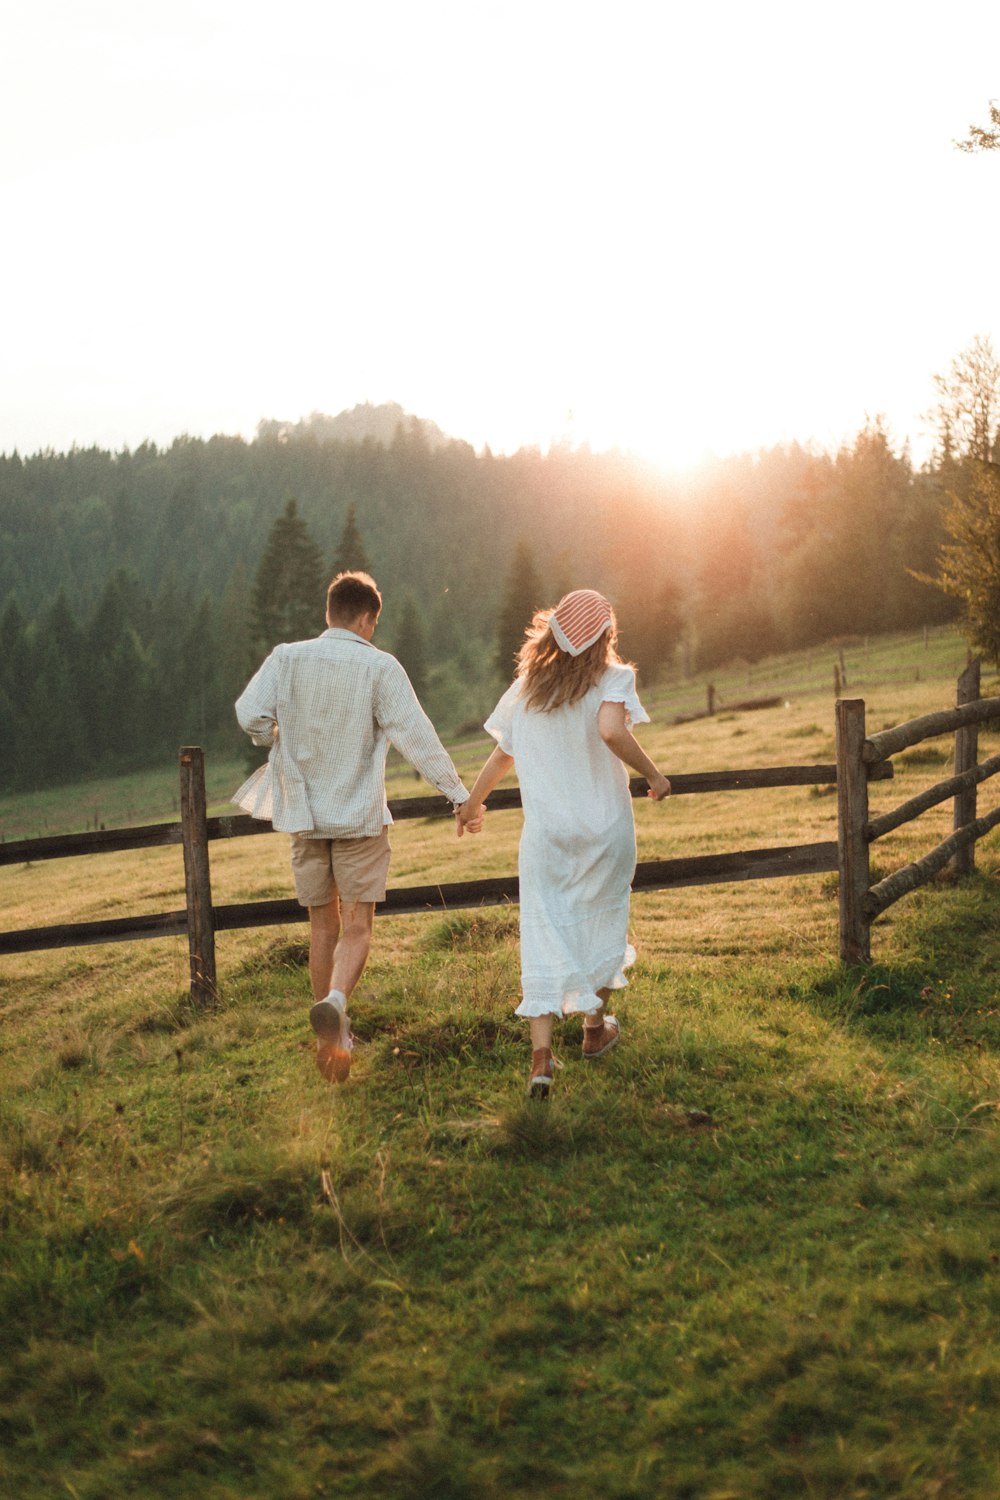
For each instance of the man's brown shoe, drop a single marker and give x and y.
(600, 1039)
(333, 1040)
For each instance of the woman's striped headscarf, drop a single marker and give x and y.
(580, 619)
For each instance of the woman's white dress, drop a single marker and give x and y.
(577, 854)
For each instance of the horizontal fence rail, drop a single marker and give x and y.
(241, 825)
(883, 895)
(932, 797)
(658, 874)
(201, 918)
(861, 902)
(903, 736)
(860, 759)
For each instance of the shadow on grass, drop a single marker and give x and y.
(949, 992)
(172, 1017)
(438, 1465)
(282, 953)
(532, 1131)
(438, 1039)
(251, 1186)
(477, 931)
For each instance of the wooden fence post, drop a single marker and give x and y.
(966, 756)
(197, 882)
(852, 837)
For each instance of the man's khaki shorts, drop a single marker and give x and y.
(354, 868)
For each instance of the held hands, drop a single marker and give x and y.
(469, 818)
(659, 787)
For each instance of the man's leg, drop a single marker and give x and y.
(335, 965)
(324, 930)
(340, 941)
(337, 957)
(354, 946)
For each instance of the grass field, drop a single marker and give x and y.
(753, 1253)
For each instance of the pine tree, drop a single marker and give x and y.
(411, 648)
(233, 632)
(61, 699)
(651, 625)
(522, 596)
(351, 556)
(16, 674)
(970, 562)
(288, 586)
(119, 680)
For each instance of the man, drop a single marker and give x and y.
(329, 708)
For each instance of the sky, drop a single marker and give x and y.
(674, 228)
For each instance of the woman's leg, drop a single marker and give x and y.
(541, 1031)
(595, 1020)
(542, 1066)
(600, 1032)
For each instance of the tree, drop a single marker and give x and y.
(522, 596)
(16, 675)
(233, 632)
(653, 627)
(968, 415)
(60, 700)
(411, 648)
(288, 586)
(351, 556)
(118, 687)
(733, 619)
(853, 531)
(982, 138)
(970, 562)
(968, 409)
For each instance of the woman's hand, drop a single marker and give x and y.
(659, 787)
(469, 817)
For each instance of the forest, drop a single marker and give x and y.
(139, 589)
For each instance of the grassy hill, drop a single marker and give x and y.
(752, 1253)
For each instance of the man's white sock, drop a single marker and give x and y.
(338, 998)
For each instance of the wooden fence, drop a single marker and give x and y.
(858, 756)
(859, 760)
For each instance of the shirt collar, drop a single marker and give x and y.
(335, 632)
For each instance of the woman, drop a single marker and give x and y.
(566, 723)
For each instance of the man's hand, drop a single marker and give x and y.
(469, 818)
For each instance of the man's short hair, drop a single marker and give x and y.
(352, 594)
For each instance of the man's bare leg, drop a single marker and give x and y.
(355, 943)
(324, 930)
(340, 941)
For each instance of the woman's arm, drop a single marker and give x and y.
(620, 741)
(470, 814)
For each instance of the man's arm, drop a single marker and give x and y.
(256, 707)
(398, 712)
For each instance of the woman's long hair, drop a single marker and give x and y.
(552, 677)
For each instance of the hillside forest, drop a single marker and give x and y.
(139, 589)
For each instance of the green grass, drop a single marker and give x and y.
(752, 1253)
